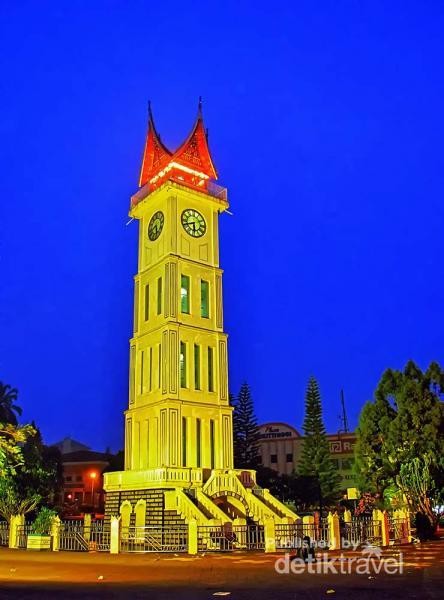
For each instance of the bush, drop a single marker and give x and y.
(43, 521)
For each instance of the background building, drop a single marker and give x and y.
(82, 477)
(280, 449)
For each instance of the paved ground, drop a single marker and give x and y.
(235, 576)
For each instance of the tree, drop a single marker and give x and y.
(41, 471)
(416, 482)
(12, 503)
(400, 435)
(8, 409)
(315, 457)
(245, 430)
(11, 441)
(373, 470)
(30, 471)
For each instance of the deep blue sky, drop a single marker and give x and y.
(326, 125)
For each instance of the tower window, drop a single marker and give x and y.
(183, 364)
(147, 302)
(159, 296)
(142, 355)
(204, 299)
(151, 369)
(184, 442)
(196, 367)
(210, 369)
(185, 294)
(198, 442)
(212, 443)
(159, 381)
(136, 306)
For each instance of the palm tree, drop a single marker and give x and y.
(8, 410)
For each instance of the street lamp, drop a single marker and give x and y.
(93, 476)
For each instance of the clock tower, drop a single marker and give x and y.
(178, 424)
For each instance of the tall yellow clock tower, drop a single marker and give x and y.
(178, 425)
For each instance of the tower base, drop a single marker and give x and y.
(173, 496)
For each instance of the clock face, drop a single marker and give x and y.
(155, 225)
(193, 222)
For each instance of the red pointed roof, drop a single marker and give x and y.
(156, 155)
(194, 152)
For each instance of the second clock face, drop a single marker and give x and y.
(193, 222)
(155, 225)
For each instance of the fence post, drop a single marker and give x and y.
(334, 531)
(15, 522)
(347, 516)
(87, 526)
(270, 535)
(114, 546)
(385, 528)
(193, 542)
(55, 534)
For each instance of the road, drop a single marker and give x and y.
(252, 576)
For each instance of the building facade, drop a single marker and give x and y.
(280, 447)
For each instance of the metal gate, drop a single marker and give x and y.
(362, 531)
(220, 538)
(100, 536)
(153, 538)
(22, 535)
(72, 537)
(76, 537)
(4, 533)
(291, 536)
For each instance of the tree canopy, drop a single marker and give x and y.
(400, 435)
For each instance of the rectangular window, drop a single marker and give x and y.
(147, 302)
(185, 294)
(273, 458)
(212, 443)
(159, 381)
(159, 296)
(184, 442)
(142, 354)
(136, 306)
(210, 369)
(290, 458)
(204, 299)
(151, 369)
(183, 364)
(198, 442)
(132, 374)
(196, 367)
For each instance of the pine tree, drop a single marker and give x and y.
(315, 457)
(245, 430)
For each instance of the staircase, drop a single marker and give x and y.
(261, 505)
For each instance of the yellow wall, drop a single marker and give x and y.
(160, 409)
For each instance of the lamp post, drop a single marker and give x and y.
(93, 476)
